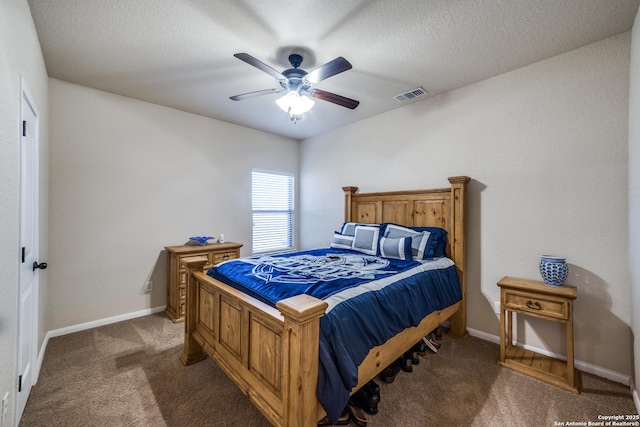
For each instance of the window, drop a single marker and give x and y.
(273, 211)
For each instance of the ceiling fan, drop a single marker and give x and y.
(299, 84)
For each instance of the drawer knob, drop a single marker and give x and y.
(534, 305)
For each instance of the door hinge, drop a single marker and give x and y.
(23, 254)
(24, 128)
(19, 383)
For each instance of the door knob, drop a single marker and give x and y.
(41, 266)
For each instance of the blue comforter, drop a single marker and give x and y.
(370, 300)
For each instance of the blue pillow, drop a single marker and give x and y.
(399, 248)
(436, 244)
(437, 241)
(418, 239)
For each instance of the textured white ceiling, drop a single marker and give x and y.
(179, 53)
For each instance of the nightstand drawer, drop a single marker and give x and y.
(224, 256)
(537, 305)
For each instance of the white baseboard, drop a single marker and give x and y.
(583, 366)
(89, 325)
(484, 336)
(636, 397)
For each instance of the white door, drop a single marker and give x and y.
(28, 304)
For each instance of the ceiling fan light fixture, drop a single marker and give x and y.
(295, 104)
(296, 82)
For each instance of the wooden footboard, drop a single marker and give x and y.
(272, 355)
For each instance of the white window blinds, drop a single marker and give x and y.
(273, 211)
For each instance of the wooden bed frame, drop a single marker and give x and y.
(272, 354)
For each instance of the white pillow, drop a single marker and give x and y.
(349, 228)
(341, 241)
(366, 239)
(399, 248)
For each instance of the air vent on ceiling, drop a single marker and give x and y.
(412, 94)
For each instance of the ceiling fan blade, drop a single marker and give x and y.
(334, 98)
(327, 70)
(254, 94)
(259, 65)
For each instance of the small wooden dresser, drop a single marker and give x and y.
(534, 298)
(176, 275)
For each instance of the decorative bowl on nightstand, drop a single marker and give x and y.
(554, 270)
(201, 239)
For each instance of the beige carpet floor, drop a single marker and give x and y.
(129, 374)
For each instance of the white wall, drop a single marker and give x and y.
(634, 197)
(20, 56)
(130, 177)
(546, 147)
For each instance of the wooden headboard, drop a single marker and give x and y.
(440, 207)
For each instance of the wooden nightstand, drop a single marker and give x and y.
(534, 298)
(176, 275)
